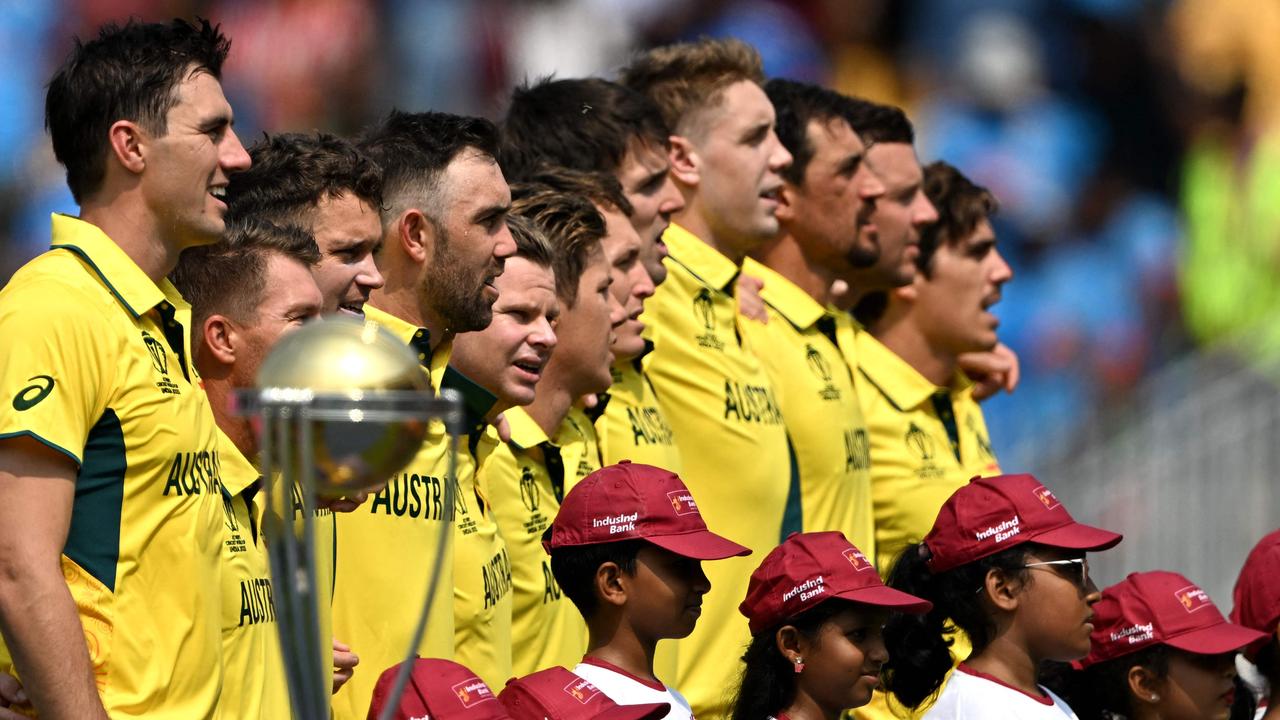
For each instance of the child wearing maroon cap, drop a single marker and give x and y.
(1161, 649)
(1005, 563)
(816, 608)
(626, 547)
(1257, 606)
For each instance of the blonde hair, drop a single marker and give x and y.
(687, 79)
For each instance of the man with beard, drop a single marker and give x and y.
(507, 359)
(595, 125)
(726, 160)
(110, 508)
(825, 200)
(552, 442)
(444, 236)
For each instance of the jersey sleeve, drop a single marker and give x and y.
(58, 370)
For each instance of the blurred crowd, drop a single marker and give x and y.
(1128, 141)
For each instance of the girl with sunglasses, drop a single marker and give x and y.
(1161, 650)
(1005, 562)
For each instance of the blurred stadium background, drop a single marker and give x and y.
(1132, 143)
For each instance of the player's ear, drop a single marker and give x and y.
(685, 161)
(218, 336)
(791, 643)
(610, 585)
(786, 211)
(126, 140)
(908, 292)
(416, 235)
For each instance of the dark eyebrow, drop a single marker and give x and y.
(492, 211)
(757, 131)
(850, 165)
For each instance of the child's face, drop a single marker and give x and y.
(666, 597)
(842, 666)
(1198, 687)
(1054, 612)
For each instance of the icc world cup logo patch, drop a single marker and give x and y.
(705, 311)
(528, 490)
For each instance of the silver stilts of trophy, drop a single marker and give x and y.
(341, 405)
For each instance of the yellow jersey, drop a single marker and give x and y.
(387, 548)
(633, 426)
(99, 368)
(254, 684)
(526, 478)
(815, 387)
(728, 426)
(481, 564)
(926, 441)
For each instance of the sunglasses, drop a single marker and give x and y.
(1075, 569)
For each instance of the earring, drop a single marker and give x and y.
(1155, 698)
(799, 667)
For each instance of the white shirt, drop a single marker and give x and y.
(626, 689)
(970, 695)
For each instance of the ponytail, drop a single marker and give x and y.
(919, 651)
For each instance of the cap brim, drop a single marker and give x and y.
(700, 545)
(1215, 640)
(650, 711)
(884, 596)
(1078, 536)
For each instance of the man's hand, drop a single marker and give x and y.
(12, 696)
(346, 503)
(750, 304)
(344, 665)
(991, 371)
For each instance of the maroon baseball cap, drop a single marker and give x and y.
(438, 690)
(810, 568)
(1160, 607)
(1257, 592)
(557, 694)
(994, 513)
(632, 501)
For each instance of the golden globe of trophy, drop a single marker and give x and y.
(340, 406)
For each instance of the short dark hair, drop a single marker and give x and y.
(797, 104)
(414, 149)
(686, 78)
(126, 73)
(229, 276)
(876, 123)
(600, 188)
(531, 244)
(574, 568)
(961, 205)
(580, 123)
(293, 172)
(572, 225)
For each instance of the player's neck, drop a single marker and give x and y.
(898, 333)
(236, 428)
(1273, 703)
(614, 641)
(787, 258)
(695, 220)
(401, 301)
(804, 707)
(551, 402)
(1008, 660)
(132, 228)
